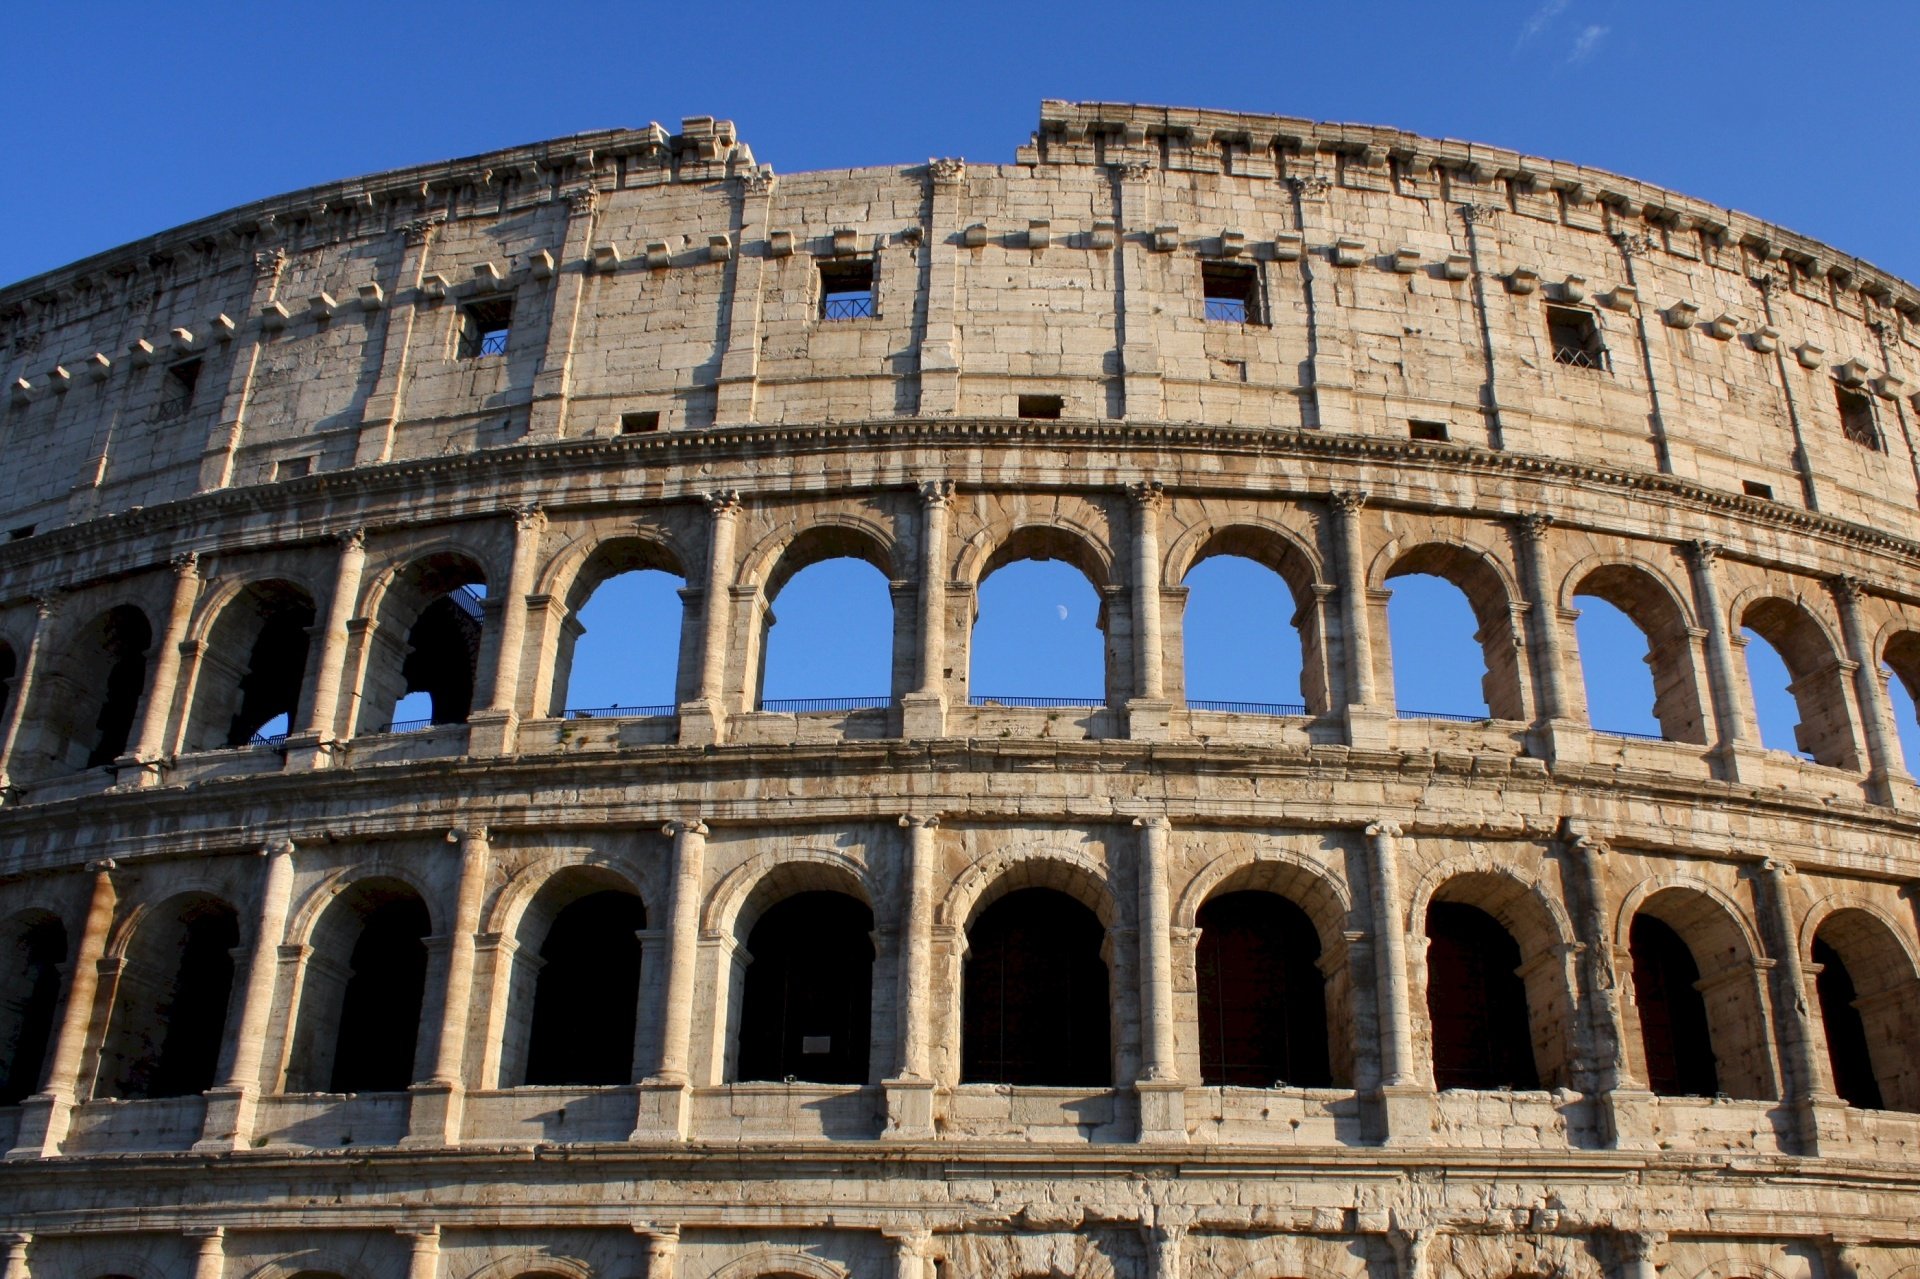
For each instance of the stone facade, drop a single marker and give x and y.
(256, 462)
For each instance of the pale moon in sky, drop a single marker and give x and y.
(1062, 608)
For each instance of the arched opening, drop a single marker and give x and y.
(1247, 640)
(1900, 668)
(1040, 631)
(585, 982)
(86, 706)
(252, 668)
(1869, 998)
(1476, 1002)
(429, 677)
(33, 947)
(1800, 696)
(806, 1009)
(9, 667)
(1674, 1034)
(619, 648)
(1034, 994)
(1636, 656)
(836, 646)
(1452, 631)
(1262, 998)
(170, 1005)
(359, 1025)
(1728, 983)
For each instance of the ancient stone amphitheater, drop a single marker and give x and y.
(954, 987)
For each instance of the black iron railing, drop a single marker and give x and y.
(802, 705)
(980, 699)
(1581, 358)
(275, 740)
(1227, 310)
(1450, 717)
(1247, 708)
(406, 726)
(617, 711)
(1638, 737)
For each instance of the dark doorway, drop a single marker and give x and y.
(171, 1018)
(1852, 1061)
(127, 637)
(28, 1002)
(1674, 1034)
(380, 1015)
(1476, 1002)
(1035, 994)
(585, 998)
(444, 654)
(807, 1006)
(275, 670)
(1263, 1008)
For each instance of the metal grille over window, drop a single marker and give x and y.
(846, 290)
(1574, 335)
(484, 327)
(1232, 292)
(1856, 417)
(176, 392)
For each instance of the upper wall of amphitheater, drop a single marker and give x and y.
(1388, 279)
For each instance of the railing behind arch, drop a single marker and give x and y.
(801, 705)
(1247, 708)
(617, 711)
(980, 699)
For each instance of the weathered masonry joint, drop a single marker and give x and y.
(337, 938)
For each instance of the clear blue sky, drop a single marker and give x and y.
(122, 119)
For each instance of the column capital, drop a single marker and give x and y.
(1534, 525)
(1148, 495)
(185, 565)
(103, 866)
(1643, 1245)
(467, 835)
(46, 605)
(352, 539)
(1702, 550)
(1347, 501)
(205, 1233)
(1384, 826)
(1777, 867)
(529, 518)
(282, 847)
(724, 503)
(1132, 170)
(1156, 820)
(947, 170)
(926, 821)
(1846, 587)
(936, 494)
(687, 826)
(657, 1231)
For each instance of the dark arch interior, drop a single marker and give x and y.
(1263, 1009)
(276, 668)
(1034, 994)
(1847, 1050)
(8, 669)
(380, 1012)
(125, 639)
(171, 1009)
(443, 655)
(586, 996)
(29, 1000)
(806, 1009)
(1476, 1002)
(1674, 1033)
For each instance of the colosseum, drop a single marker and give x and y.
(954, 986)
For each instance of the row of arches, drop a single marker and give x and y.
(1274, 994)
(1459, 627)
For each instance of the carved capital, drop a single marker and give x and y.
(530, 518)
(724, 503)
(1131, 170)
(186, 564)
(1149, 495)
(282, 847)
(1478, 213)
(467, 835)
(691, 826)
(419, 230)
(1533, 525)
(1383, 827)
(926, 821)
(271, 262)
(947, 170)
(1847, 587)
(1347, 501)
(46, 605)
(103, 866)
(582, 201)
(1703, 551)
(936, 494)
(758, 182)
(1634, 244)
(353, 539)
(1314, 188)
(1777, 867)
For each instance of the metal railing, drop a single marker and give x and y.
(1581, 358)
(405, 726)
(1450, 717)
(1247, 708)
(494, 343)
(802, 705)
(1227, 310)
(275, 740)
(981, 699)
(617, 711)
(1638, 737)
(851, 306)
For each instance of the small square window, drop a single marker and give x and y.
(484, 328)
(846, 289)
(292, 468)
(176, 391)
(1043, 406)
(1754, 488)
(640, 423)
(20, 534)
(1434, 432)
(1574, 335)
(1232, 292)
(1856, 417)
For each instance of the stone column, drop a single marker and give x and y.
(662, 1245)
(381, 413)
(1731, 735)
(423, 1256)
(910, 1093)
(703, 721)
(493, 728)
(1148, 712)
(210, 1251)
(16, 1262)
(1404, 1098)
(44, 611)
(924, 711)
(1622, 1102)
(553, 384)
(437, 1104)
(940, 341)
(1642, 1253)
(1166, 1243)
(232, 1105)
(1560, 737)
(143, 767)
(1821, 1115)
(1887, 780)
(45, 1115)
(314, 744)
(1145, 390)
(664, 1100)
(1368, 722)
(910, 1249)
(736, 389)
(1162, 1095)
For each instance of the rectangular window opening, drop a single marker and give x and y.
(846, 289)
(1042, 406)
(1574, 335)
(484, 328)
(1856, 417)
(292, 468)
(640, 423)
(1232, 292)
(18, 534)
(1754, 488)
(1435, 432)
(176, 392)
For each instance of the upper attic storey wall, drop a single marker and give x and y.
(1396, 279)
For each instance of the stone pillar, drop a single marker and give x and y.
(230, 419)
(552, 385)
(493, 728)
(662, 1245)
(1165, 1242)
(1412, 1250)
(703, 721)
(314, 744)
(924, 711)
(1821, 1115)
(210, 1251)
(45, 1115)
(1731, 734)
(1368, 722)
(1162, 1095)
(910, 1093)
(1841, 1253)
(44, 611)
(1404, 1099)
(437, 1104)
(1887, 780)
(664, 1096)
(143, 766)
(1558, 736)
(1642, 1253)
(231, 1106)
(423, 1256)
(940, 341)
(1149, 711)
(910, 1252)
(736, 389)
(16, 1256)
(1144, 387)
(383, 407)
(1623, 1104)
